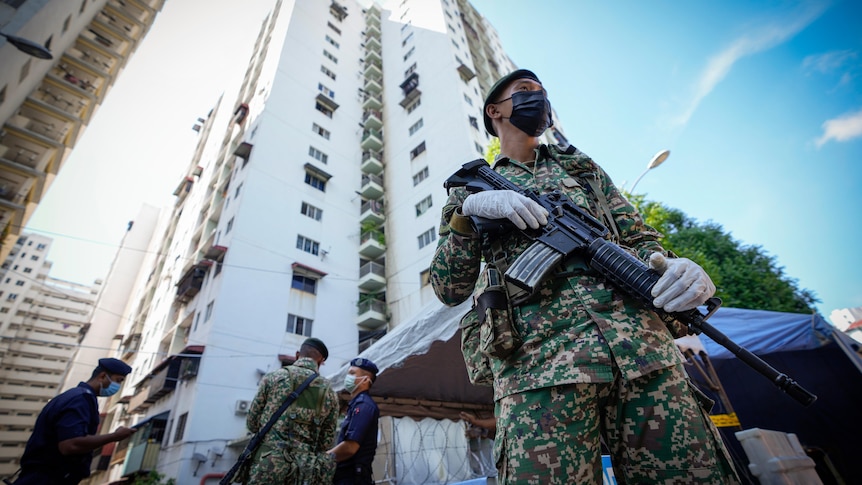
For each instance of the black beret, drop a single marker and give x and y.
(364, 364)
(498, 88)
(317, 344)
(115, 366)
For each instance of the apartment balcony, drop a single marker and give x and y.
(373, 102)
(141, 450)
(109, 37)
(372, 244)
(65, 99)
(373, 56)
(183, 189)
(410, 88)
(192, 281)
(44, 123)
(373, 70)
(30, 149)
(372, 15)
(373, 85)
(372, 42)
(90, 53)
(372, 119)
(372, 187)
(371, 212)
(372, 277)
(372, 140)
(164, 377)
(371, 314)
(372, 162)
(80, 76)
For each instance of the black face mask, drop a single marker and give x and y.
(531, 112)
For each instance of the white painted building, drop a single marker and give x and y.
(45, 104)
(310, 208)
(42, 322)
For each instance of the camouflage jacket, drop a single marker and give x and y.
(309, 424)
(578, 328)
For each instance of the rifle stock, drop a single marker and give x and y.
(570, 231)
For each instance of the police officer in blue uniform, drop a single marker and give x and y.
(357, 441)
(59, 451)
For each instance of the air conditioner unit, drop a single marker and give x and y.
(242, 407)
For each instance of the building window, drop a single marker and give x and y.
(420, 176)
(404, 42)
(416, 126)
(330, 56)
(229, 226)
(333, 27)
(19, 283)
(299, 325)
(415, 104)
(320, 130)
(28, 270)
(311, 211)
(455, 44)
(423, 206)
(427, 238)
(317, 154)
(304, 283)
(34, 258)
(5, 309)
(41, 247)
(181, 427)
(332, 41)
(308, 245)
(12, 296)
(323, 109)
(315, 181)
(66, 23)
(409, 53)
(479, 149)
(209, 311)
(325, 90)
(468, 100)
(417, 151)
(474, 122)
(3, 94)
(238, 188)
(329, 73)
(410, 70)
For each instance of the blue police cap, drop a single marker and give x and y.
(364, 364)
(115, 366)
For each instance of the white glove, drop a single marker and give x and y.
(683, 285)
(499, 204)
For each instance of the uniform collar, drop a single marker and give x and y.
(542, 152)
(306, 363)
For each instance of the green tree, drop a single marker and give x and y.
(744, 276)
(493, 150)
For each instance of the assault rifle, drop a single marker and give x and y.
(570, 231)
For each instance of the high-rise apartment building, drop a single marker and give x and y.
(42, 322)
(46, 104)
(310, 208)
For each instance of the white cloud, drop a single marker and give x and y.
(828, 61)
(843, 128)
(748, 44)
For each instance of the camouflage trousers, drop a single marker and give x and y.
(654, 427)
(272, 464)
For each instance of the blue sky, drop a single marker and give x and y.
(760, 104)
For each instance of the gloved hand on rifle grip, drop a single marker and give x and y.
(508, 204)
(683, 285)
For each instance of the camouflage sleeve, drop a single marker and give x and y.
(634, 232)
(329, 423)
(458, 258)
(255, 411)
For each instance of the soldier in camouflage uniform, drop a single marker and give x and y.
(294, 450)
(593, 365)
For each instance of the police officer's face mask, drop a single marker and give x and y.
(350, 383)
(531, 112)
(112, 389)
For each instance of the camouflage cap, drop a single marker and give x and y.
(318, 345)
(498, 88)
